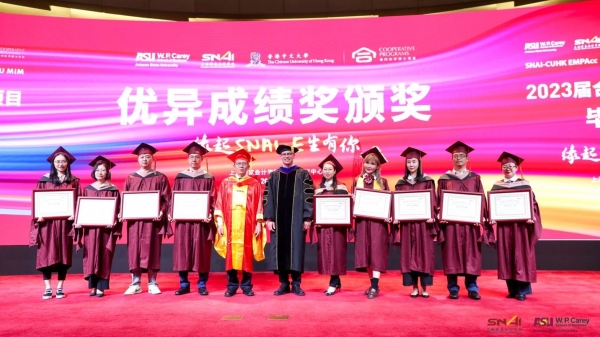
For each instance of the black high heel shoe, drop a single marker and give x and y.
(338, 287)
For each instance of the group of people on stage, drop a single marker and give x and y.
(243, 213)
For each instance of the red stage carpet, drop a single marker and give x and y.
(348, 313)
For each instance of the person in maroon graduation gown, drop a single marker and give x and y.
(461, 243)
(144, 237)
(52, 237)
(193, 240)
(99, 243)
(332, 243)
(516, 240)
(417, 256)
(371, 245)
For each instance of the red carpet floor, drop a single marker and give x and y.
(348, 313)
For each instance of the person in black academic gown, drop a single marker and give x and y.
(288, 211)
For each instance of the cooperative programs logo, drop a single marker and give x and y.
(543, 47)
(12, 53)
(384, 54)
(226, 60)
(160, 60)
(584, 44)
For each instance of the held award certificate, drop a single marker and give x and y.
(53, 204)
(192, 206)
(333, 210)
(412, 205)
(95, 211)
(373, 204)
(137, 205)
(461, 207)
(511, 205)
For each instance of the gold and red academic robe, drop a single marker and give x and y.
(193, 242)
(416, 238)
(239, 203)
(332, 246)
(371, 243)
(516, 241)
(461, 243)
(144, 237)
(288, 202)
(53, 237)
(99, 243)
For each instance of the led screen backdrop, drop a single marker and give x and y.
(525, 81)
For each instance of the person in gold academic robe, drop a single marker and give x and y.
(461, 242)
(53, 236)
(417, 253)
(332, 242)
(144, 237)
(241, 235)
(99, 243)
(371, 245)
(194, 239)
(516, 240)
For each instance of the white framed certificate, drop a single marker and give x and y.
(461, 207)
(53, 204)
(510, 205)
(412, 205)
(95, 211)
(333, 210)
(372, 204)
(140, 205)
(190, 206)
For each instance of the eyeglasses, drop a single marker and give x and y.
(195, 156)
(508, 167)
(459, 156)
(287, 154)
(60, 162)
(241, 164)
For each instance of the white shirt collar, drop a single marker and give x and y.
(511, 180)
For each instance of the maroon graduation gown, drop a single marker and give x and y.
(416, 238)
(144, 237)
(99, 243)
(193, 243)
(371, 244)
(55, 246)
(332, 246)
(516, 242)
(461, 243)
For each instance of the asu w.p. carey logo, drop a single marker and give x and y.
(543, 321)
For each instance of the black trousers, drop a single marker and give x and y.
(285, 274)
(233, 281)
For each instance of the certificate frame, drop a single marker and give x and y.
(423, 214)
(95, 211)
(449, 214)
(65, 196)
(375, 211)
(344, 201)
(181, 198)
(521, 195)
(132, 209)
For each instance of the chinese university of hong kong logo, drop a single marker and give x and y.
(255, 60)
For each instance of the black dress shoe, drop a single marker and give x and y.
(283, 289)
(229, 293)
(521, 297)
(367, 291)
(474, 295)
(203, 291)
(182, 291)
(372, 293)
(297, 290)
(248, 292)
(93, 293)
(453, 295)
(327, 293)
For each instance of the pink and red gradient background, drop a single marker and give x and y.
(75, 70)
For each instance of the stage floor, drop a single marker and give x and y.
(558, 294)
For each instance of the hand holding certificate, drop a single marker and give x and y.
(140, 205)
(192, 206)
(462, 207)
(54, 203)
(373, 204)
(510, 205)
(95, 211)
(333, 210)
(412, 205)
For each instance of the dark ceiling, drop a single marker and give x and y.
(182, 10)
